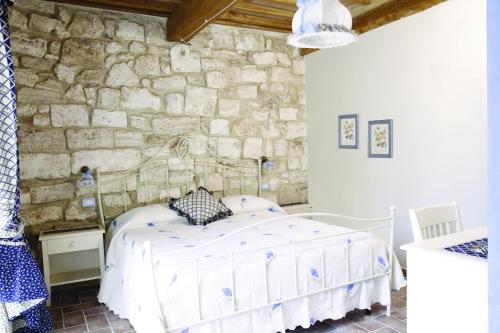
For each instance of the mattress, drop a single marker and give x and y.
(240, 266)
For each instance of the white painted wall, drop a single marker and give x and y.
(428, 73)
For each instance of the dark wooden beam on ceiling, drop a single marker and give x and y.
(384, 14)
(193, 15)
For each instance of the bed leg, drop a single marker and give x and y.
(388, 314)
(368, 312)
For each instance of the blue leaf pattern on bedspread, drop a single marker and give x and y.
(275, 306)
(151, 224)
(242, 243)
(269, 255)
(227, 292)
(350, 287)
(113, 223)
(314, 273)
(312, 321)
(186, 330)
(174, 279)
(243, 201)
(381, 261)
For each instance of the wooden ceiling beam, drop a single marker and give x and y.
(256, 22)
(256, 10)
(384, 14)
(193, 15)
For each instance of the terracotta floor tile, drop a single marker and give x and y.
(95, 310)
(73, 319)
(120, 325)
(393, 323)
(97, 321)
(103, 330)
(74, 329)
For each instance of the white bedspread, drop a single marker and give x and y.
(127, 285)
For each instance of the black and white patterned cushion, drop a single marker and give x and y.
(200, 207)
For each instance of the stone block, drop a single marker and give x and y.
(42, 214)
(147, 65)
(44, 166)
(106, 160)
(35, 95)
(17, 19)
(77, 51)
(91, 76)
(105, 118)
(49, 193)
(288, 114)
(130, 31)
(122, 75)
(65, 73)
(26, 77)
(76, 94)
(265, 58)
(24, 43)
(41, 120)
(138, 99)
(86, 25)
(37, 6)
(90, 138)
(229, 147)
(248, 91)
(41, 64)
(296, 130)
(200, 101)
(69, 115)
(219, 127)
(128, 139)
(41, 141)
(229, 108)
(245, 127)
(184, 60)
(42, 23)
(252, 148)
(174, 83)
(109, 98)
(174, 103)
(75, 212)
(139, 123)
(215, 79)
(176, 125)
(252, 74)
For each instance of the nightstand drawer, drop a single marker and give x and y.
(63, 245)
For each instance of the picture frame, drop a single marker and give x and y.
(348, 128)
(380, 141)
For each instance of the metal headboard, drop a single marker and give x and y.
(160, 178)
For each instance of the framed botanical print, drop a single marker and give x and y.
(380, 138)
(348, 131)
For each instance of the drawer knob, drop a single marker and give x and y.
(72, 244)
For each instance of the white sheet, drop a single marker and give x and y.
(127, 288)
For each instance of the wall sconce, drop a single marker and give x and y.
(267, 164)
(86, 179)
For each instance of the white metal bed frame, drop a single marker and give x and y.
(183, 150)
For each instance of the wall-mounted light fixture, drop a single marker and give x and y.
(86, 178)
(267, 164)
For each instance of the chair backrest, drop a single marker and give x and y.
(435, 221)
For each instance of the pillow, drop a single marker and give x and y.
(240, 204)
(200, 207)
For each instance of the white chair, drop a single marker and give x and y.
(434, 221)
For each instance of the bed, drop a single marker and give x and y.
(259, 270)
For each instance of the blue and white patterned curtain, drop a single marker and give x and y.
(22, 290)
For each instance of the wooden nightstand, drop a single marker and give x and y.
(72, 255)
(299, 208)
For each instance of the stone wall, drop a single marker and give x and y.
(105, 89)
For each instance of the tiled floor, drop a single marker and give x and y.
(76, 310)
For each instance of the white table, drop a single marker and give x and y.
(72, 256)
(447, 292)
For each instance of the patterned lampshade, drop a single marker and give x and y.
(321, 24)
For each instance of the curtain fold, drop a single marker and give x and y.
(23, 293)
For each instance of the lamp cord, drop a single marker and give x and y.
(229, 5)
